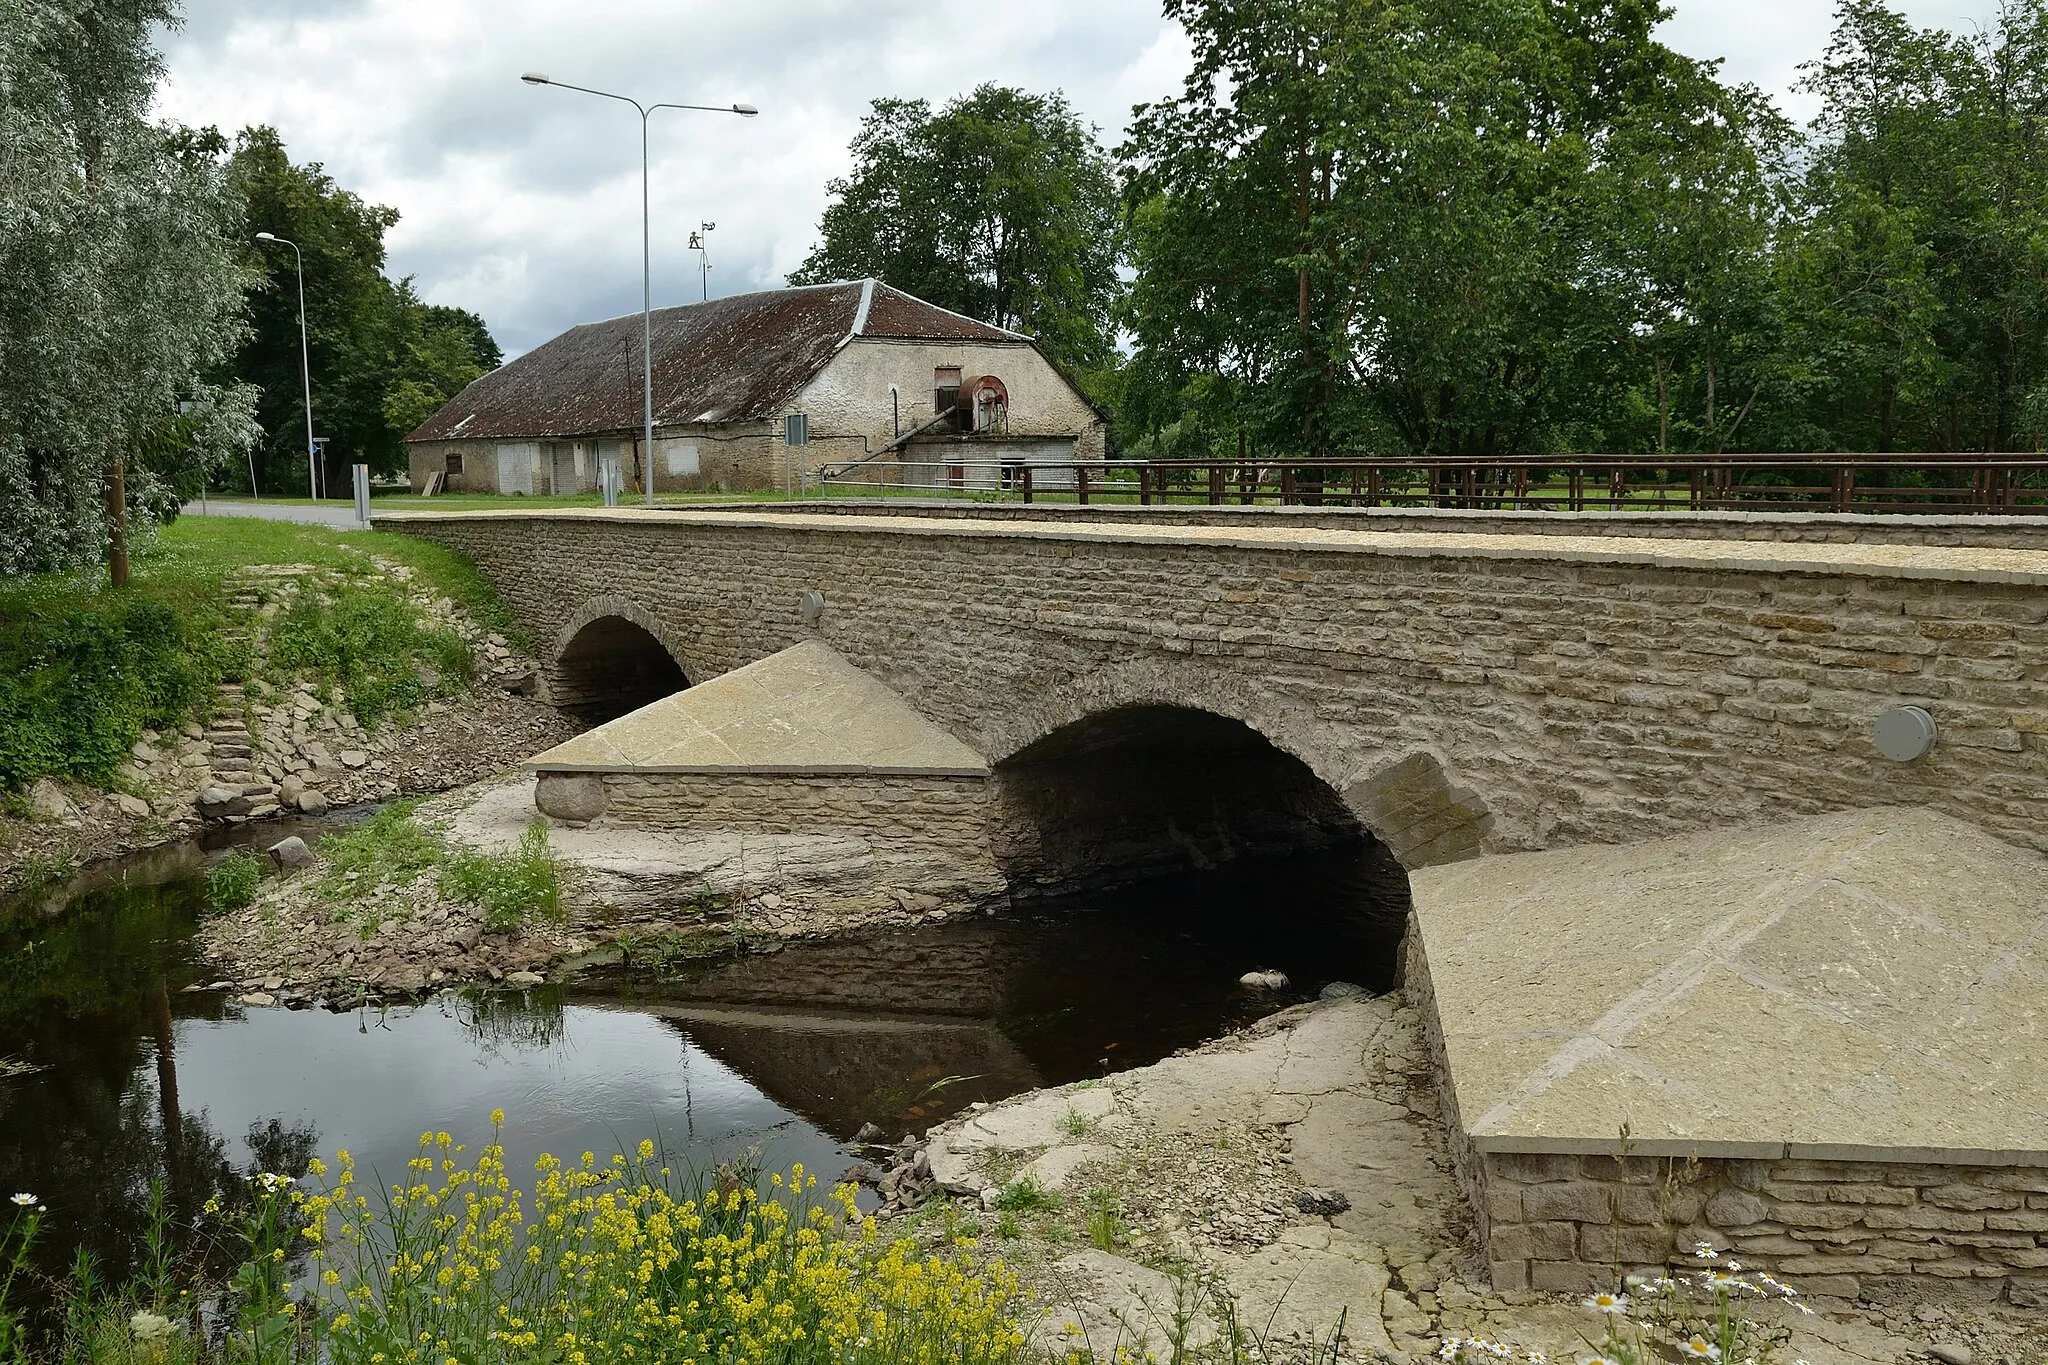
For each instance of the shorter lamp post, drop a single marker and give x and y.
(646, 268)
(305, 365)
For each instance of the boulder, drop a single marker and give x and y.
(1265, 980)
(143, 752)
(524, 979)
(1341, 990)
(352, 758)
(311, 802)
(289, 789)
(49, 802)
(132, 805)
(291, 853)
(576, 797)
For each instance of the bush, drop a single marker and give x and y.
(364, 639)
(511, 887)
(231, 883)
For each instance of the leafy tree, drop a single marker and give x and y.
(381, 360)
(1917, 280)
(1002, 206)
(1432, 226)
(122, 289)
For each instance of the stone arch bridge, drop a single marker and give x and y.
(1455, 684)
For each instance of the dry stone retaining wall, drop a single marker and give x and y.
(1552, 700)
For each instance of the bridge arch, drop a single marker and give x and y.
(610, 657)
(1401, 791)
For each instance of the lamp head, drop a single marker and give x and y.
(745, 110)
(535, 78)
(266, 236)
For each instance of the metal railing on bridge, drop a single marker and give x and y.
(1937, 483)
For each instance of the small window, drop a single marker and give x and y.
(454, 463)
(945, 376)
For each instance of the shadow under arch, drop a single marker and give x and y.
(609, 663)
(1148, 789)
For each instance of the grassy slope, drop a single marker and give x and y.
(84, 669)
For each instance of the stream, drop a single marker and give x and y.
(118, 1072)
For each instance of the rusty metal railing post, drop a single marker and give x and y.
(1144, 486)
(1081, 484)
(1024, 482)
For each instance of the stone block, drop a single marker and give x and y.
(1747, 1175)
(1971, 1197)
(575, 797)
(1571, 1277)
(1504, 1203)
(1822, 1215)
(1577, 1201)
(1509, 1274)
(2027, 1179)
(2023, 1258)
(1871, 1194)
(2019, 1220)
(1737, 1209)
(1627, 1245)
(1532, 1242)
(1808, 1191)
(1830, 1286)
(1921, 1216)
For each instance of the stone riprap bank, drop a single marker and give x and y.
(1463, 693)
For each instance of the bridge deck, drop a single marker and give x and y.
(1966, 563)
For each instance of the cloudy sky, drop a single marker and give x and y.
(521, 202)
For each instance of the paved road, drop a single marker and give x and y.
(340, 518)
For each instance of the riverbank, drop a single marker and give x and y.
(664, 897)
(1292, 1178)
(250, 669)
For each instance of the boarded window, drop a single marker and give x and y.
(682, 457)
(454, 462)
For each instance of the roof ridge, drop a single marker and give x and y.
(940, 308)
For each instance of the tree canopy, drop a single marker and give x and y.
(122, 294)
(1492, 227)
(1002, 206)
(381, 360)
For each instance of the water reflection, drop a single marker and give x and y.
(139, 1082)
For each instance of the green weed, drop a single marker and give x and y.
(1106, 1226)
(231, 883)
(511, 887)
(1026, 1195)
(365, 641)
(388, 849)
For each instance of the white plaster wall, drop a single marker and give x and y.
(849, 399)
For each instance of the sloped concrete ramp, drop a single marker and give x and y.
(1847, 986)
(804, 709)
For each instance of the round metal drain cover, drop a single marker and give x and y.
(1904, 733)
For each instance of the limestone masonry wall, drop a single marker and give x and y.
(941, 817)
(1829, 1227)
(1549, 701)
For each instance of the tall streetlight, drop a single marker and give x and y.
(646, 268)
(305, 365)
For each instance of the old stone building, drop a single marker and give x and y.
(904, 387)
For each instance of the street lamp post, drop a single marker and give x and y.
(305, 366)
(646, 252)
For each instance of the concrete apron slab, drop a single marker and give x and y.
(1831, 1022)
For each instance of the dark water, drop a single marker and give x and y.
(139, 1082)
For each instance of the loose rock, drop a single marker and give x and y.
(291, 853)
(1265, 980)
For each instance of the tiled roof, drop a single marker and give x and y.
(726, 360)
